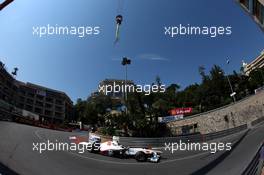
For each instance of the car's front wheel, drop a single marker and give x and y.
(141, 156)
(110, 153)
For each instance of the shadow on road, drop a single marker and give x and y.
(4, 170)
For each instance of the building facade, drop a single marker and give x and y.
(8, 87)
(51, 105)
(256, 10)
(255, 64)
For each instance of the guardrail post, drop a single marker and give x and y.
(249, 125)
(203, 138)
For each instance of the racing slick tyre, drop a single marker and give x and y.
(141, 156)
(110, 153)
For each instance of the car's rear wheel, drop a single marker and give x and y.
(141, 156)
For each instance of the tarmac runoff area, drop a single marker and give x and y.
(17, 155)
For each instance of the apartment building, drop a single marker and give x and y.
(255, 64)
(51, 105)
(255, 8)
(8, 87)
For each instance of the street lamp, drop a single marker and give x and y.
(14, 73)
(232, 91)
(126, 62)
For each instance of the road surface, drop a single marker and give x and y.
(16, 145)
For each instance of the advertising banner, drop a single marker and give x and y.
(178, 111)
(170, 118)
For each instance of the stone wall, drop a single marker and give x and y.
(239, 113)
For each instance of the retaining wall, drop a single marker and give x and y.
(227, 117)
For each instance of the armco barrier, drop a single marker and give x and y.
(259, 120)
(159, 142)
(224, 133)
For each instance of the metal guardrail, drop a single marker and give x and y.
(257, 121)
(257, 163)
(219, 134)
(160, 141)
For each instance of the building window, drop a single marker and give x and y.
(48, 113)
(39, 103)
(29, 108)
(48, 105)
(245, 3)
(262, 16)
(58, 115)
(38, 110)
(22, 99)
(50, 100)
(31, 95)
(30, 101)
(59, 102)
(258, 10)
(21, 105)
(23, 92)
(39, 97)
(58, 108)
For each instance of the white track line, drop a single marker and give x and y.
(37, 134)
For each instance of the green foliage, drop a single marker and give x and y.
(108, 131)
(143, 110)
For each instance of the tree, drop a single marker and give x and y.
(201, 70)
(79, 109)
(256, 78)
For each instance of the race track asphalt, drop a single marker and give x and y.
(16, 153)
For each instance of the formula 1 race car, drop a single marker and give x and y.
(114, 149)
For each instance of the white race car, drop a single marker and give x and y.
(114, 149)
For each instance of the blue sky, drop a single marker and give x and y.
(76, 65)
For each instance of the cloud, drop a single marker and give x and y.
(152, 57)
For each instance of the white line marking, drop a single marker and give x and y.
(37, 134)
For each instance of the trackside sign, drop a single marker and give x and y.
(170, 118)
(179, 111)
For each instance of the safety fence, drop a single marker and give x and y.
(219, 134)
(256, 165)
(159, 142)
(257, 121)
